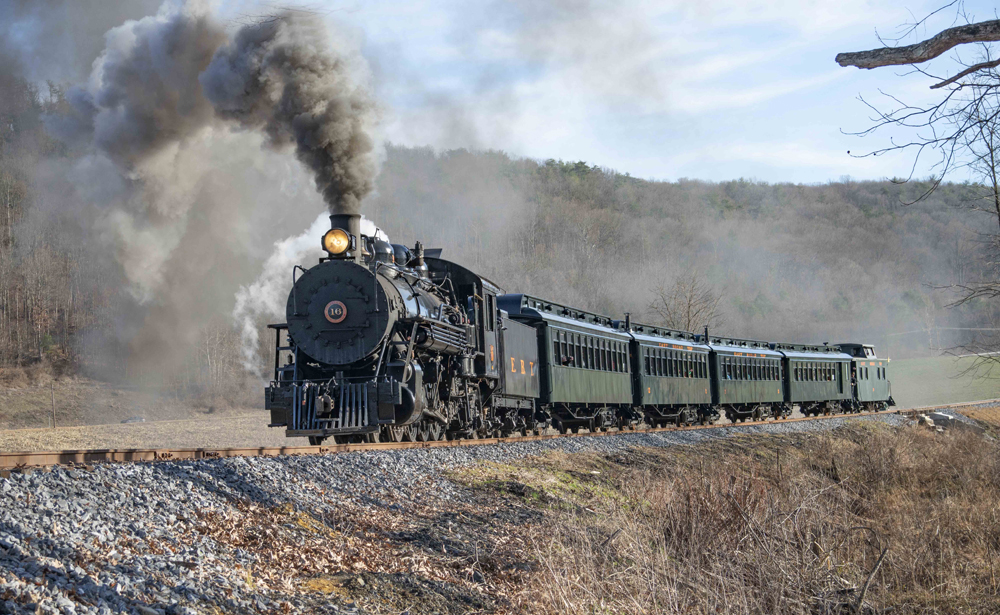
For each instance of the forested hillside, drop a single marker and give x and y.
(843, 260)
(788, 262)
(41, 303)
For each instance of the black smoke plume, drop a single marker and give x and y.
(277, 76)
(178, 167)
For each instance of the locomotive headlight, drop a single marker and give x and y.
(336, 241)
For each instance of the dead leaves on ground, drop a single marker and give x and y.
(297, 550)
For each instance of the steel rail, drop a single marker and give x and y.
(28, 460)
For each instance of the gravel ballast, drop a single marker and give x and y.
(139, 538)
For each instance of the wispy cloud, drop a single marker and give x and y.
(710, 100)
(619, 83)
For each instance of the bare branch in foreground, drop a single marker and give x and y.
(982, 32)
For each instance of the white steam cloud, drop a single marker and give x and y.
(265, 298)
(179, 162)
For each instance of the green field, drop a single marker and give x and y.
(939, 380)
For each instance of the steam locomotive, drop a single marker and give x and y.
(386, 343)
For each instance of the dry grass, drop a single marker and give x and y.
(938, 380)
(990, 415)
(863, 520)
(21, 377)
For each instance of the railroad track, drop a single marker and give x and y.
(34, 460)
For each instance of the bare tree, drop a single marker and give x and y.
(963, 128)
(688, 304)
(959, 125)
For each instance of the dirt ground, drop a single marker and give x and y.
(239, 430)
(90, 414)
(231, 428)
(81, 401)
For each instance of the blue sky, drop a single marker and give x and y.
(711, 89)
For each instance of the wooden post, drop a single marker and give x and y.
(52, 393)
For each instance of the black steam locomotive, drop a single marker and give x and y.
(385, 343)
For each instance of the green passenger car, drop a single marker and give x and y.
(817, 378)
(746, 379)
(671, 383)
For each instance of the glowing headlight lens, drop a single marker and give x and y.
(336, 241)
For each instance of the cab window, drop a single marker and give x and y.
(491, 312)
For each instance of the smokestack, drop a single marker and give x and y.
(352, 224)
